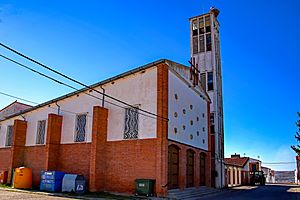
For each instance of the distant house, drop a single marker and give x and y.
(12, 109)
(269, 174)
(237, 169)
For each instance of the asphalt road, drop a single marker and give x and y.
(268, 192)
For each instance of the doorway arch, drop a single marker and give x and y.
(202, 169)
(173, 167)
(190, 168)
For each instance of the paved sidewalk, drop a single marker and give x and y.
(11, 193)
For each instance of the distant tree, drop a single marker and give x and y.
(296, 148)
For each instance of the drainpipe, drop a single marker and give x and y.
(103, 95)
(58, 110)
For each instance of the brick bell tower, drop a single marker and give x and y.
(205, 51)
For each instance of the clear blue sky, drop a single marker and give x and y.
(91, 41)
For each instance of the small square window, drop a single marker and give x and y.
(80, 130)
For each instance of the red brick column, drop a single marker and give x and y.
(18, 146)
(162, 130)
(182, 168)
(197, 168)
(53, 141)
(98, 148)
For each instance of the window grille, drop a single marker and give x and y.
(41, 129)
(80, 128)
(131, 123)
(9, 136)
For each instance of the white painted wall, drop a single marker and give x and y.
(252, 160)
(186, 96)
(3, 131)
(137, 89)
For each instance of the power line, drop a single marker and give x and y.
(22, 99)
(5, 94)
(78, 82)
(278, 163)
(62, 83)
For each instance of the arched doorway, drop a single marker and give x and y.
(190, 168)
(173, 167)
(202, 169)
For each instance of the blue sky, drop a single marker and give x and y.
(91, 41)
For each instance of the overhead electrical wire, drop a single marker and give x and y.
(59, 82)
(5, 94)
(32, 102)
(278, 163)
(78, 82)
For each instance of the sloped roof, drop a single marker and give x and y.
(14, 103)
(239, 162)
(171, 64)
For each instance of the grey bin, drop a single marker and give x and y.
(74, 183)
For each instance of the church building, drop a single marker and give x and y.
(160, 121)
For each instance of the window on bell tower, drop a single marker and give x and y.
(201, 34)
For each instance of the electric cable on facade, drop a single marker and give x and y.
(32, 102)
(78, 82)
(62, 83)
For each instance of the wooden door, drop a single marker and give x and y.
(173, 167)
(202, 169)
(189, 168)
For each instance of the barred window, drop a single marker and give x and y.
(9, 132)
(41, 129)
(80, 128)
(131, 123)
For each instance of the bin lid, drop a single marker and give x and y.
(68, 182)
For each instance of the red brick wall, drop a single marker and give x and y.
(127, 161)
(35, 158)
(75, 159)
(72, 158)
(5, 155)
(182, 165)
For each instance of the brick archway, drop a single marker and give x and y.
(190, 155)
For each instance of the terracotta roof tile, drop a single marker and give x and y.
(240, 162)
